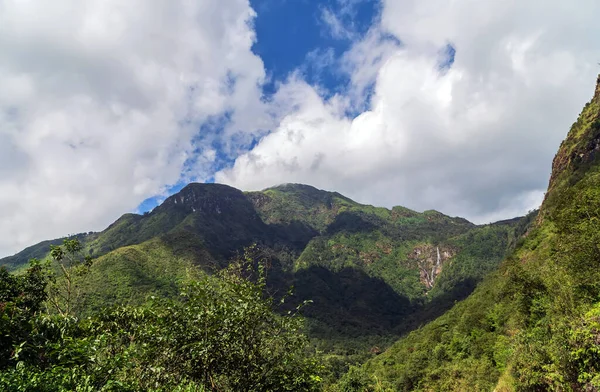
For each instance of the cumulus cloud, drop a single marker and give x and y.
(104, 103)
(102, 100)
(475, 139)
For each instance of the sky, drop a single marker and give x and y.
(108, 107)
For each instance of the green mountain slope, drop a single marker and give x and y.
(371, 273)
(303, 226)
(396, 245)
(219, 215)
(418, 264)
(534, 324)
(130, 274)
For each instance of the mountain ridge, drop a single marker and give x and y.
(400, 300)
(298, 222)
(128, 219)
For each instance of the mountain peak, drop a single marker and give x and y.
(294, 188)
(203, 197)
(291, 186)
(309, 193)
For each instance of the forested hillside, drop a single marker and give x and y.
(219, 333)
(126, 308)
(361, 277)
(371, 273)
(364, 267)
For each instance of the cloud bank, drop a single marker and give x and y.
(453, 105)
(471, 134)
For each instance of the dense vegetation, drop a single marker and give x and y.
(220, 334)
(361, 266)
(355, 261)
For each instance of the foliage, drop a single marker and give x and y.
(21, 298)
(220, 334)
(289, 203)
(356, 380)
(64, 288)
(38, 251)
(482, 250)
(128, 275)
(352, 260)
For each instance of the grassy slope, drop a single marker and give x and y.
(532, 325)
(130, 274)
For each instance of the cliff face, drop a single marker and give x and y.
(430, 260)
(579, 149)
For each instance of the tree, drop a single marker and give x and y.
(21, 299)
(64, 289)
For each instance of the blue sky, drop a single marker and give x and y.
(293, 36)
(289, 31)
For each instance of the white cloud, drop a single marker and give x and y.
(335, 25)
(340, 18)
(476, 140)
(101, 100)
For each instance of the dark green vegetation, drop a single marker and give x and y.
(315, 240)
(220, 334)
(371, 273)
(534, 324)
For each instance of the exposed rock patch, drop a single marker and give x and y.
(430, 259)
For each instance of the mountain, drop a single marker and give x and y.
(372, 273)
(534, 324)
